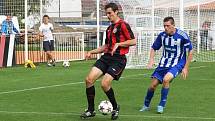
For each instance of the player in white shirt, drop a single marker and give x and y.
(46, 29)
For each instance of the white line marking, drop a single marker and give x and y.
(123, 115)
(37, 88)
(169, 117)
(74, 83)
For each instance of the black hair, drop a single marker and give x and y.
(169, 18)
(46, 16)
(113, 6)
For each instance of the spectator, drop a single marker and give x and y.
(8, 26)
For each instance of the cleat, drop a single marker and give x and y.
(160, 109)
(53, 62)
(115, 113)
(144, 108)
(87, 114)
(49, 64)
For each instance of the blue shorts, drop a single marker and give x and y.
(48, 45)
(160, 72)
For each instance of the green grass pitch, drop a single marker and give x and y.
(58, 94)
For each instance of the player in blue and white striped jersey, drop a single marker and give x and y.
(176, 44)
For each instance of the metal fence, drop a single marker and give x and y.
(68, 46)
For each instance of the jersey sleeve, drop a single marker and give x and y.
(106, 38)
(51, 27)
(126, 30)
(157, 43)
(187, 43)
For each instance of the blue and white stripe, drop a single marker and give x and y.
(174, 48)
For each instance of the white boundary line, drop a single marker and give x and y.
(74, 83)
(37, 88)
(121, 115)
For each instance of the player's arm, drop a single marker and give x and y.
(124, 44)
(40, 32)
(127, 43)
(4, 27)
(187, 49)
(96, 51)
(129, 36)
(186, 67)
(151, 59)
(156, 46)
(51, 28)
(15, 30)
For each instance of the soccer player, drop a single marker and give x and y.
(46, 29)
(176, 44)
(111, 65)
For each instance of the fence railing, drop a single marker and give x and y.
(68, 46)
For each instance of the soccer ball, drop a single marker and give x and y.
(105, 107)
(66, 64)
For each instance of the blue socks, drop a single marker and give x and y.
(164, 93)
(148, 97)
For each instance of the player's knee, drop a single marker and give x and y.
(166, 82)
(89, 81)
(105, 86)
(152, 87)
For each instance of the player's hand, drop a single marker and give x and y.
(88, 55)
(51, 28)
(184, 73)
(114, 48)
(21, 34)
(150, 64)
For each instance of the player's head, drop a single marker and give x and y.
(45, 19)
(8, 17)
(169, 25)
(112, 10)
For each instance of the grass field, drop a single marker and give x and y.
(58, 94)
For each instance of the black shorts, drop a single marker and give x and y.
(113, 65)
(48, 45)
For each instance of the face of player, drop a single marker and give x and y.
(45, 20)
(169, 28)
(8, 18)
(112, 16)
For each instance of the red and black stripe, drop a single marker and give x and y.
(116, 33)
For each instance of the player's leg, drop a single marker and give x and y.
(93, 75)
(113, 73)
(106, 86)
(46, 49)
(150, 93)
(52, 58)
(164, 91)
(169, 76)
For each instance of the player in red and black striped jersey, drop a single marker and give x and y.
(111, 65)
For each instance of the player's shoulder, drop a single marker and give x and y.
(50, 24)
(163, 33)
(42, 25)
(182, 33)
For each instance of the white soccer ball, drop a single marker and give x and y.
(105, 107)
(66, 64)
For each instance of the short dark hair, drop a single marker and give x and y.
(169, 18)
(46, 16)
(113, 6)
